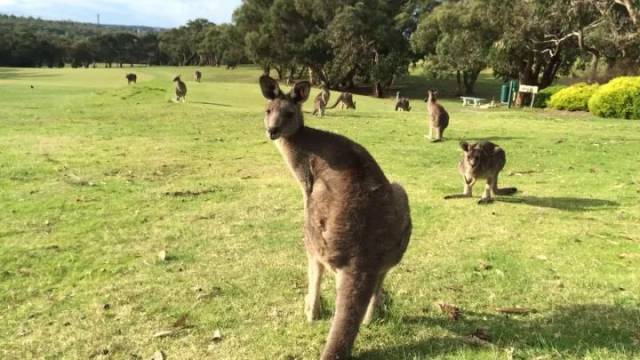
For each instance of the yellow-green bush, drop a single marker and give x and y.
(573, 98)
(619, 98)
(543, 96)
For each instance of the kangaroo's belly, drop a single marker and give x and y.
(348, 228)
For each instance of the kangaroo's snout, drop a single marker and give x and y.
(274, 132)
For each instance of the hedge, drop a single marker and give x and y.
(543, 96)
(574, 98)
(620, 98)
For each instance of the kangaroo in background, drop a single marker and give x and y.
(321, 101)
(356, 223)
(131, 78)
(346, 98)
(482, 160)
(197, 76)
(402, 103)
(181, 89)
(438, 116)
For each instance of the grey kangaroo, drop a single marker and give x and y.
(438, 116)
(181, 89)
(482, 160)
(131, 78)
(402, 103)
(321, 101)
(197, 76)
(356, 223)
(346, 98)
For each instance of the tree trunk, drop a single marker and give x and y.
(458, 83)
(378, 90)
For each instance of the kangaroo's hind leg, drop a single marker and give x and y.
(312, 303)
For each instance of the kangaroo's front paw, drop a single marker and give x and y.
(485, 201)
(312, 308)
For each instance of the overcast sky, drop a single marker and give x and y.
(159, 13)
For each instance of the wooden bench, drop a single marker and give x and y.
(466, 100)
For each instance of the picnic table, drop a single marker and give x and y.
(467, 100)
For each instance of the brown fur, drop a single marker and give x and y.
(321, 101)
(197, 76)
(482, 160)
(438, 116)
(131, 78)
(403, 104)
(357, 224)
(346, 100)
(181, 89)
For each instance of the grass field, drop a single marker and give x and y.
(97, 178)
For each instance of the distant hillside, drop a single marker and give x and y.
(67, 29)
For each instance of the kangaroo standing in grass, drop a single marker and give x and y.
(181, 89)
(402, 103)
(482, 160)
(438, 116)
(346, 98)
(131, 78)
(197, 76)
(356, 222)
(321, 101)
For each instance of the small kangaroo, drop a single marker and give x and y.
(131, 78)
(346, 99)
(356, 223)
(482, 160)
(197, 76)
(438, 116)
(321, 101)
(181, 89)
(402, 103)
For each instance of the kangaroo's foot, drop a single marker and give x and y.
(485, 201)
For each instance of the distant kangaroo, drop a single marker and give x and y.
(346, 98)
(438, 116)
(402, 103)
(356, 222)
(181, 89)
(482, 160)
(321, 101)
(131, 78)
(197, 76)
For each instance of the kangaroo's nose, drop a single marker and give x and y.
(273, 132)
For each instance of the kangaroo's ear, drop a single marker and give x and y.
(301, 91)
(270, 88)
(464, 146)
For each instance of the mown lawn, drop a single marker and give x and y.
(97, 178)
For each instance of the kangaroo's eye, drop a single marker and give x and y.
(268, 111)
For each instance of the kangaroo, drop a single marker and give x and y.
(438, 116)
(346, 98)
(131, 78)
(197, 76)
(402, 103)
(181, 89)
(356, 223)
(482, 160)
(321, 101)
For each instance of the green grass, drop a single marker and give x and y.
(96, 178)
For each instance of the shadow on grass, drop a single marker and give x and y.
(572, 330)
(210, 103)
(9, 74)
(561, 203)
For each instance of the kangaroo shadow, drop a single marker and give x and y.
(561, 203)
(572, 331)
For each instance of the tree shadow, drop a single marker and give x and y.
(11, 74)
(572, 331)
(561, 203)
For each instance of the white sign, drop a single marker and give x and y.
(528, 89)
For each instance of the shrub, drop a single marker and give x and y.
(620, 98)
(573, 98)
(543, 96)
